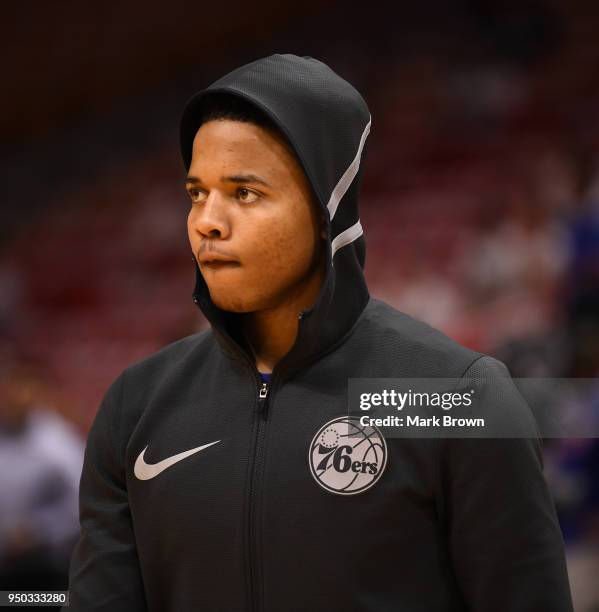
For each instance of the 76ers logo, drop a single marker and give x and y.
(347, 458)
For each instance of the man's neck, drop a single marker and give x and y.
(271, 333)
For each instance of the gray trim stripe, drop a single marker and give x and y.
(348, 176)
(346, 236)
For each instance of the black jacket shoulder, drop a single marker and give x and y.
(401, 345)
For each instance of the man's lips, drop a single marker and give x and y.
(217, 264)
(216, 258)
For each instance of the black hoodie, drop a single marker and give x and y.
(246, 520)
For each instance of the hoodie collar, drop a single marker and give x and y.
(327, 122)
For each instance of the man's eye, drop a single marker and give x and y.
(195, 194)
(246, 195)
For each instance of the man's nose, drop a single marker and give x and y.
(211, 217)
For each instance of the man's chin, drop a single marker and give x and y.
(231, 304)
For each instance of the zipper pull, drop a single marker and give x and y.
(263, 400)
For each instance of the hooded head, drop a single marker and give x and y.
(318, 124)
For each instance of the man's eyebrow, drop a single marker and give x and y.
(235, 178)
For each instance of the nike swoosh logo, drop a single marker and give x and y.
(145, 471)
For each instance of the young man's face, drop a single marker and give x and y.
(271, 231)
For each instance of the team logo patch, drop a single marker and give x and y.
(347, 458)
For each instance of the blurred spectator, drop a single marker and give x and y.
(41, 457)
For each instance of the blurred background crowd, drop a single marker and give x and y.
(480, 206)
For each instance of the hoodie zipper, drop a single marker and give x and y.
(255, 487)
(255, 482)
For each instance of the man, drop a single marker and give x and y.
(201, 488)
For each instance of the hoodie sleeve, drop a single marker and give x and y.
(503, 534)
(104, 572)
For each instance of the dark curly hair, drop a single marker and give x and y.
(221, 105)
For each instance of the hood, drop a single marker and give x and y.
(326, 122)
